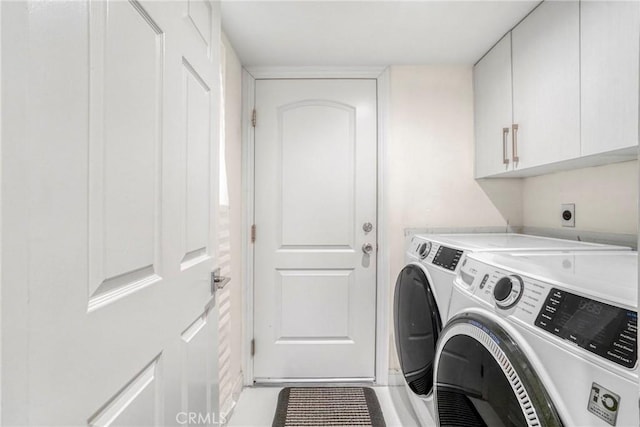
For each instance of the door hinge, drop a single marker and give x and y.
(253, 233)
(253, 118)
(253, 347)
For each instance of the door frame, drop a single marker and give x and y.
(249, 77)
(1, 217)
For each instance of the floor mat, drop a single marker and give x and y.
(328, 406)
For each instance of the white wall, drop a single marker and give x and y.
(606, 198)
(430, 177)
(233, 157)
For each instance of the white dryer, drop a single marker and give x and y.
(541, 339)
(439, 254)
(423, 293)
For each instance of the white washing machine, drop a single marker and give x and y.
(423, 294)
(541, 339)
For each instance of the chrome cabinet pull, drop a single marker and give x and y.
(514, 148)
(505, 133)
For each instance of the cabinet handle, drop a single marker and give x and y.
(514, 148)
(505, 133)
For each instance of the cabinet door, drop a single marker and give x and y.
(493, 109)
(546, 84)
(610, 33)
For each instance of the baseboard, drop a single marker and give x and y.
(225, 413)
(237, 386)
(396, 379)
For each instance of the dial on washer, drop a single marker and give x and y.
(508, 291)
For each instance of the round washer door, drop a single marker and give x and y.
(417, 327)
(484, 379)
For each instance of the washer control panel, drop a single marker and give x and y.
(507, 293)
(602, 329)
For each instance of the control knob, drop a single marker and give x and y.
(424, 249)
(508, 291)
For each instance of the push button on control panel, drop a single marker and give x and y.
(483, 283)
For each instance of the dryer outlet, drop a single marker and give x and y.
(568, 214)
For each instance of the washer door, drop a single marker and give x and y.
(417, 327)
(484, 379)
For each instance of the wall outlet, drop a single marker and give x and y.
(568, 215)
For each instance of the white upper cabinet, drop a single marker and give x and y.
(571, 70)
(546, 85)
(493, 110)
(610, 34)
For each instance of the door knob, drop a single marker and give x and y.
(367, 248)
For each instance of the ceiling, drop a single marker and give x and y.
(367, 32)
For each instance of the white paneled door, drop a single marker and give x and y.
(315, 216)
(109, 143)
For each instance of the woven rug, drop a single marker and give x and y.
(328, 406)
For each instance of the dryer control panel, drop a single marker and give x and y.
(447, 257)
(435, 254)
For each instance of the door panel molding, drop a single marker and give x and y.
(198, 363)
(293, 285)
(125, 141)
(300, 194)
(144, 389)
(197, 152)
(199, 13)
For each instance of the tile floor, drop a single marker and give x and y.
(257, 406)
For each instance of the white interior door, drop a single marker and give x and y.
(315, 189)
(107, 311)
